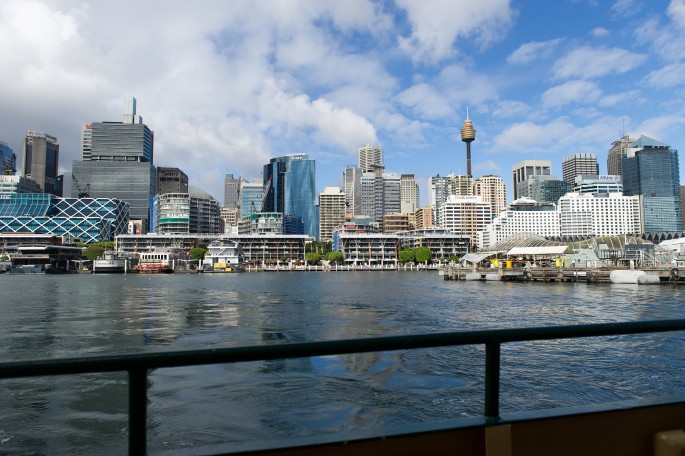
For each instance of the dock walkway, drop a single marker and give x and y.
(667, 274)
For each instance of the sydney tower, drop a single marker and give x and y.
(468, 134)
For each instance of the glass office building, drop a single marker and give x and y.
(651, 170)
(117, 162)
(290, 188)
(90, 219)
(8, 160)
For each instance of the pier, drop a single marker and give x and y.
(667, 274)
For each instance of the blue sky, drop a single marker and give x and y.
(228, 85)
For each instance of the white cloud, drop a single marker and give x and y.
(533, 50)
(589, 62)
(599, 32)
(571, 92)
(633, 96)
(660, 128)
(668, 76)
(558, 136)
(426, 101)
(676, 11)
(511, 108)
(666, 40)
(436, 24)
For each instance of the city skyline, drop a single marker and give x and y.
(237, 85)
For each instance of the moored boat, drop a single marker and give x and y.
(157, 262)
(109, 262)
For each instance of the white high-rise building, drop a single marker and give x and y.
(331, 212)
(409, 194)
(443, 187)
(524, 215)
(465, 215)
(349, 176)
(526, 169)
(370, 157)
(604, 214)
(492, 190)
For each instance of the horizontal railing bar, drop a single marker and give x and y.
(112, 363)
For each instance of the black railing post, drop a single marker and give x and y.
(492, 367)
(137, 411)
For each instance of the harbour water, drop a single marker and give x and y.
(46, 316)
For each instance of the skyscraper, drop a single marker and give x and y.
(651, 170)
(231, 191)
(349, 178)
(41, 159)
(251, 197)
(117, 162)
(521, 171)
(492, 190)
(576, 165)
(370, 157)
(290, 188)
(331, 212)
(619, 151)
(8, 160)
(409, 194)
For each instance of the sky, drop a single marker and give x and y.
(226, 86)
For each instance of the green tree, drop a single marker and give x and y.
(407, 255)
(312, 257)
(93, 251)
(422, 254)
(335, 257)
(197, 253)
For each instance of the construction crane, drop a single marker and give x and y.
(81, 193)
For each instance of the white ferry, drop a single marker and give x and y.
(224, 256)
(157, 262)
(109, 262)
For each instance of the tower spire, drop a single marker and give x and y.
(468, 135)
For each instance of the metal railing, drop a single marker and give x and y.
(138, 365)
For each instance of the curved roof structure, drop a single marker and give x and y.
(525, 240)
(198, 193)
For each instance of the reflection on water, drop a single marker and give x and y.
(63, 316)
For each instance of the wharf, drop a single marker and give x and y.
(553, 274)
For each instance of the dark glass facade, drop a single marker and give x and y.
(8, 160)
(121, 142)
(290, 184)
(90, 219)
(132, 182)
(653, 173)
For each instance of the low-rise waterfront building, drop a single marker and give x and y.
(256, 248)
(383, 249)
(90, 219)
